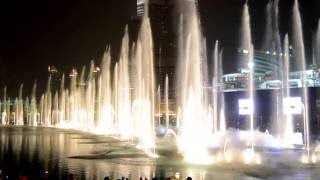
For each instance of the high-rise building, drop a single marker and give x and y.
(163, 16)
(55, 76)
(165, 20)
(140, 8)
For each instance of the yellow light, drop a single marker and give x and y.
(177, 175)
(304, 159)
(313, 158)
(248, 156)
(228, 156)
(258, 159)
(220, 157)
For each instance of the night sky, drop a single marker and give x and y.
(70, 33)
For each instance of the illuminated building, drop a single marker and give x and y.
(55, 76)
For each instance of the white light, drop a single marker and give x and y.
(245, 51)
(228, 156)
(248, 156)
(245, 106)
(313, 158)
(292, 105)
(258, 159)
(177, 175)
(304, 159)
(250, 65)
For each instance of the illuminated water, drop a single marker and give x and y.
(37, 150)
(122, 101)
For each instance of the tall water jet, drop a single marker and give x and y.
(272, 48)
(316, 46)
(33, 107)
(267, 42)
(41, 110)
(222, 120)
(272, 40)
(245, 33)
(166, 94)
(4, 112)
(159, 105)
(1, 110)
(105, 123)
(300, 65)
(67, 108)
(123, 99)
(248, 50)
(19, 108)
(217, 90)
(55, 109)
(15, 112)
(288, 129)
(47, 105)
(251, 92)
(144, 87)
(215, 87)
(26, 110)
(195, 125)
(62, 102)
(81, 99)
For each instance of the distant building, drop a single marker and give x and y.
(140, 8)
(164, 19)
(163, 16)
(55, 76)
(264, 62)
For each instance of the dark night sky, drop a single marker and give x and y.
(67, 33)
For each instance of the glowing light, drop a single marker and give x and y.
(177, 175)
(195, 136)
(304, 159)
(313, 158)
(219, 157)
(250, 65)
(228, 156)
(249, 156)
(258, 159)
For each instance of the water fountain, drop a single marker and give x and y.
(122, 100)
(196, 126)
(301, 66)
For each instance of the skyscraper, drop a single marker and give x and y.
(140, 8)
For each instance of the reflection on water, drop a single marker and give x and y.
(33, 151)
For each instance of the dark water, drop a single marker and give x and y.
(47, 153)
